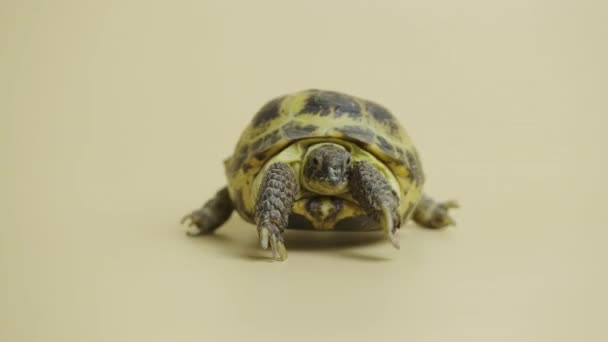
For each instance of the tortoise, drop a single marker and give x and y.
(322, 160)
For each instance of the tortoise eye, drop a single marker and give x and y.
(348, 161)
(316, 161)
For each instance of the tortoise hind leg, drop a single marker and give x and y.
(211, 215)
(432, 214)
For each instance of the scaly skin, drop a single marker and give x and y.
(211, 215)
(273, 206)
(370, 188)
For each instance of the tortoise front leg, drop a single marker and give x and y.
(273, 206)
(371, 189)
(212, 214)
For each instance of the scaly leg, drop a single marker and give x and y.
(211, 215)
(432, 214)
(370, 188)
(273, 207)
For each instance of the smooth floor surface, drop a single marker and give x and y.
(115, 117)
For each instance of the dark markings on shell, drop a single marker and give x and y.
(299, 222)
(323, 102)
(269, 111)
(382, 115)
(260, 156)
(313, 207)
(359, 133)
(266, 141)
(240, 158)
(293, 130)
(414, 167)
(337, 204)
(346, 105)
(247, 167)
(401, 155)
(386, 146)
(361, 222)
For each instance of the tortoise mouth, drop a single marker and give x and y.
(327, 186)
(333, 181)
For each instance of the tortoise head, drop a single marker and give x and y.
(326, 169)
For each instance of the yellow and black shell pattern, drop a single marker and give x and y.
(323, 115)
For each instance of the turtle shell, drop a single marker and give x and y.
(319, 114)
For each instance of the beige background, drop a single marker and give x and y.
(115, 117)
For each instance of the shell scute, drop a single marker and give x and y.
(324, 103)
(359, 133)
(382, 116)
(268, 112)
(294, 130)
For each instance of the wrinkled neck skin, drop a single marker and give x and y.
(326, 169)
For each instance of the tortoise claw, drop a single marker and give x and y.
(446, 219)
(451, 204)
(189, 221)
(271, 237)
(389, 228)
(264, 237)
(199, 222)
